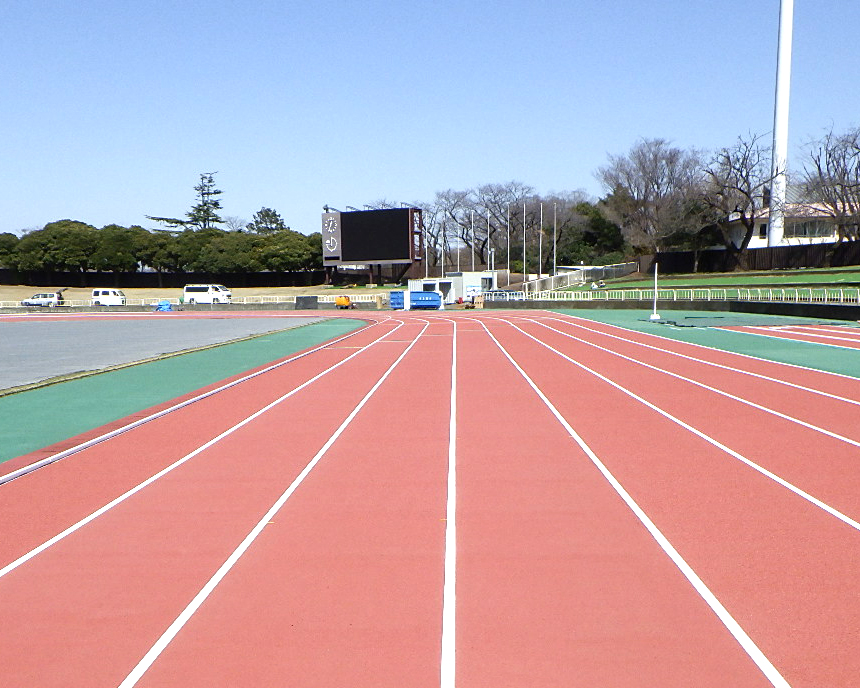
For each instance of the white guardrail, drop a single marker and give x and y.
(324, 298)
(804, 295)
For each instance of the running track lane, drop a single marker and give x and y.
(558, 583)
(90, 605)
(515, 533)
(344, 586)
(785, 568)
(739, 407)
(83, 482)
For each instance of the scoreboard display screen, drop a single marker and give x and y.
(372, 236)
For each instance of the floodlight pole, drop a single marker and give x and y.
(509, 244)
(442, 247)
(472, 229)
(776, 223)
(489, 244)
(540, 244)
(554, 239)
(524, 247)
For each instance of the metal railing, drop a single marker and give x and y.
(796, 295)
(240, 300)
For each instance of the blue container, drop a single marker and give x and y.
(426, 300)
(395, 300)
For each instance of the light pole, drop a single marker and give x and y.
(554, 239)
(472, 228)
(776, 222)
(524, 246)
(509, 244)
(540, 244)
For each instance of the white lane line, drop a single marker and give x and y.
(449, 590)
(647, 335)
(747, 643)
(149, 658)
(110, 505)
(847, 520)
(130, 426)
(741, 400)
(760, 376)
(756, 331)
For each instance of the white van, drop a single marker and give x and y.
(107, 297)
(206, 293)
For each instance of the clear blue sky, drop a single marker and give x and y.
(111, 110)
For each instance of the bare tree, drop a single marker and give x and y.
(831, 181)
(653, 191)
(737, 189)
(235, 223)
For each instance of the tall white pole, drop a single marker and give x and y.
(524, 243)
(458, 247)
(472, 226)
(540, 244)
(489, 243)
(554, 239)
(776, 224)
(444, 242)
(509, 244)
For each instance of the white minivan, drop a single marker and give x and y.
(206, 293)
(107, 297)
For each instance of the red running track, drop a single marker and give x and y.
(604, 508)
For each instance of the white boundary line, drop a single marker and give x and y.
(125, 428)
(149, 658)
(847, 520)
(24, 558)
(747, 643)
(703, 361)
(449, 590)
(793, 336)
(741, 400)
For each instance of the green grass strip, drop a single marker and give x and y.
(40, 417)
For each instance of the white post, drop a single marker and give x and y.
(540, 244)
(524, 246)
(776, 222)
(654, 314)
(472, 227)
(444, 241)
(554, 239)
(509, 244)
(489, 243)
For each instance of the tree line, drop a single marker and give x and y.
(195, 243)
(658, 197)
(73, 246)
(664, 197)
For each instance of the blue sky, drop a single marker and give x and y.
(110, 111)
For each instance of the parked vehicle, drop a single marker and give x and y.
(107, 297)
(206, 293)
(51, 299)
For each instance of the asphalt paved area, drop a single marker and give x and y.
(36, 350)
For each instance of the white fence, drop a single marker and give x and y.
(805, 295)
(325, 298)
